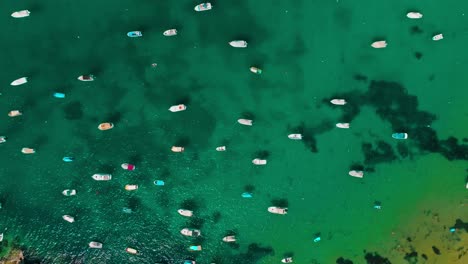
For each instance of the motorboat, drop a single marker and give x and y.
(186, 213)
(170, 32)
(68, 218)
(203, 7)
(466, 185)
(86, 78)
(190, 232)
(187, 261)
(1, 237)
(229, 239)
(131, 251)
(69, 192)
(438, 37)
(106, 126)
(277, 210)
(414, 15)
(195, 248)
(94, 244)
(28, 150)
(3, 139)
(177, 108)
(246, 195)
(14, 113)
(158, 183)
(342, 125)
(287, 260)
(255, 70)
(102, 177)
(338, 101)
(20, 14)
(245, 122)
(400, 135)
(19, 81)
(357, 174)
(221, 148)
(295, 136)
(177, 149)
(127, 210)
(238, 44)
(128, 166)
(259, 162)
(134, 34)
(379, 44)
(68, 159)
(59, 95)
(131, 187)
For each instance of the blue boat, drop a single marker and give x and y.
(247, 195)
(134, 34)
(400, 135)
(159, 183)
(68, 159)
(59, 95)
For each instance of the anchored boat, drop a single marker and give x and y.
(338, 101)
(131, 187)
(94, 244)
(86, 78)
(414, 15)
(438, 37)
(170, 32)
(277, 210)
(357, 174)
(203, 7)
(134, 34)
(238, 44)
(342, 125)
(28, 150)
(190, 232)
(186, 213)
(295, 136)
(68, 218)
(287, 260)
(69, 192)
(131, 251)
(221, 148)
(128, 166)
(19, 81)
(177, 108)
(229, 239)
(400, 135)
(106, 126)
(379, 44)
(102, 177)
(255, 70)
(20, 14)
(245, 122)
(259, 162)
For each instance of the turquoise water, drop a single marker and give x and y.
(310, 52)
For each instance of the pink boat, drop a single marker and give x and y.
(128, 166)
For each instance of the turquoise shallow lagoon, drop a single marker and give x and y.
(310, 52)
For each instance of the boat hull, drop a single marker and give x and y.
(20, 14)
(379, 44)
(245, 122)
(19, 81)
(177, 108)
(203, 7)
(102, 177)
(134, 34)
(277, 210)
(400, 135)
(170, 32)
(131, 187)
(238, 44)
(105, 126)
(186, 213)
(259, 162)
(357, 174)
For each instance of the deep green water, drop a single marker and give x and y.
(310, 52)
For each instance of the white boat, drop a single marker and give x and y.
(131, 187)
(28, 150)
(277, 210)
(245, 122)
(229, 239)
(177, 149)
(221, 148)
(19, 81)
(287, 260)
(466, 185)
(238, 44)
(259, 162)
(437, 37)
(256, 70)
(203, 7)
(14, 113)
(105, 126)
(338, 101)
(69, 192)
(295, 136)
(195, 248)
(20, 14)
(102, 177)
(184, 212)
(3, 139)
(68, 218)
(342, 125)
(190, 232)
(379, 44)
(357, 174)
(131, 251)
(177, 108)
(86, 78)
(1, 237)
(94, 244)
(170, 32)
(414, 15)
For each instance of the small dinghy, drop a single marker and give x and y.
(221, 148)
(102, 177)
(131, 187)
(134, 34)
(245, 122)
(131, 251)
(203, 7)
(177, 108)
(68, 218)
(400, 135)
(19, 81)
(3, 139)
(177, 149)
(379, 44)
(259, 162)
(86, 78)
(277, 210)
(342, 125)
(195, 248)
(438, 37)
(186, 213)
(158, 183)
(246, 195)
(69, 192)
(105, 126)
(414, 15)
(59, 95)
(170, 32)
(256, 70)
(14, 113)
(68, 159)
(128, 166)
(190, 232)
(229, 239)
(295, 136)
(357, 174)
(94, 244)
(28, 150)
(338, 101)
(238, 44)
(287, 260)
(20, 14)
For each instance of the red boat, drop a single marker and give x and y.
(127, 166)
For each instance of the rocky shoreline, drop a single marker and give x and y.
(15, 256)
